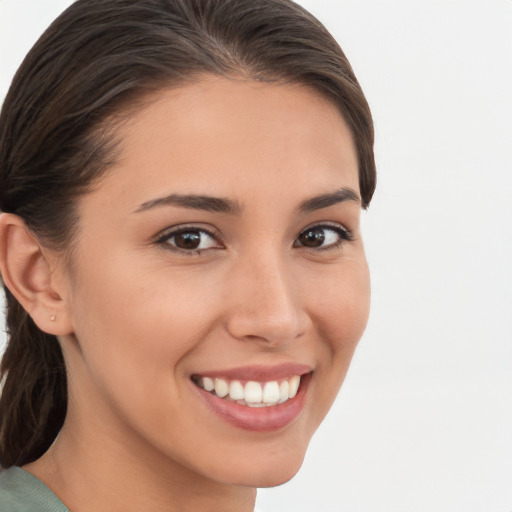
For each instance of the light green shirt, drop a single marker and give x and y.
(22, 492)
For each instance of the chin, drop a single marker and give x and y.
(280, 478)
(274, 478)
(271, 472)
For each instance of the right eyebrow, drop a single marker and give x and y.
(330, 199)
(194, 201)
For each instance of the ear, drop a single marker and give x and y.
(27, 272)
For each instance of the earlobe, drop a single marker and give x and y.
(30, 278)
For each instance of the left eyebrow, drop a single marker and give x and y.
(193, 201)
(326, 200)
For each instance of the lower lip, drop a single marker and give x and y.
(258, 419)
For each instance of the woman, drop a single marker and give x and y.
(181, 182)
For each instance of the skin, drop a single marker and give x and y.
(136, 317)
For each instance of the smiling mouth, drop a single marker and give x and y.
(251, 393)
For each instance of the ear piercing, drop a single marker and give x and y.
(52, 318)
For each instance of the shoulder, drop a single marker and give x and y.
(21, 491)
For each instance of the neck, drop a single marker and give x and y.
(89, 472)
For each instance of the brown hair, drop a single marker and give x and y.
(90, 65)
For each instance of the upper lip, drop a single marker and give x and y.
(259, 372)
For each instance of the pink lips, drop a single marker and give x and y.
(260, 373)
(262, 419)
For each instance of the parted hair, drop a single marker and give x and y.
(57, 137)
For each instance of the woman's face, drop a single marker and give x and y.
(222, 249)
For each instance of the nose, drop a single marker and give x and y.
(266, 304)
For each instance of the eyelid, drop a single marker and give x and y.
(163, 236)
(336, 226)
(345, 234)
(326, 224)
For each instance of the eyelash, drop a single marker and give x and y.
(166, 237)
(344, 236)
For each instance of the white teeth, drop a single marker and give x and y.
(253, 394)
(221, 388)
(294, 386)
(236, 390)
(283, 391)
(271, 393)
(208, 384)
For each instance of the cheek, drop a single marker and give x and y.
(118, 313)
(133, 332)
(119, 294)
(342, 305)
(341, 314)
(136, 324)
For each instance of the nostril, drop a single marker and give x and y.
(258, 328)
(267, 305)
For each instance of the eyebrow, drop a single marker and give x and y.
(223, 205)
(326, 200)
(197, 202)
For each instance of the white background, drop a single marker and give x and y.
(424, 420)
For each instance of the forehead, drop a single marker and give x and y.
(236, 134)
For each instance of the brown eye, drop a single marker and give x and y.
(190, 240)
(313, 237)
(187, 240)
(323, 237)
